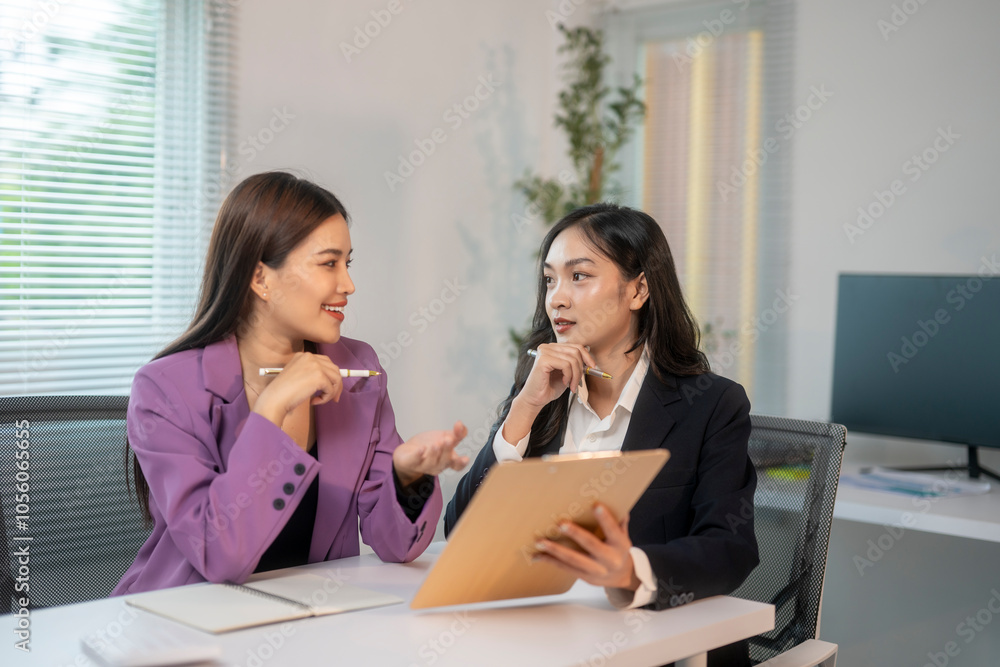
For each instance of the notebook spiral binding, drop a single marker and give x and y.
(268, 596)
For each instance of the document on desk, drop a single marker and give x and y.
(910, 483)
(272, 599)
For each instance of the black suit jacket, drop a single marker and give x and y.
(695, 521)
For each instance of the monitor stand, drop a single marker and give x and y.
(975, 470)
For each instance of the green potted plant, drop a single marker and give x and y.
(597, 123)
(596, 128)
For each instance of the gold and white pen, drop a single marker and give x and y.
(586, 369)
(344, 372)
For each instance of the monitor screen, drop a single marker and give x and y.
(919, 357)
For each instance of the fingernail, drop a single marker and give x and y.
(564, 527)
(599, 509)
(540, 546)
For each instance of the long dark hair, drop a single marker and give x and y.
(636, 244)
(262, 220)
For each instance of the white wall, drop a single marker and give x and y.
(890, 98)
(891, 95)
(449, 220)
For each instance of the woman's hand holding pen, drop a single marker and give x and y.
(306, 377)
(557, 366)
(606, 562)
(429, 453)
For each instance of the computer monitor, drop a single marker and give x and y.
(918, 356)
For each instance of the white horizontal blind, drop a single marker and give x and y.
(114, 119)
(717, 79)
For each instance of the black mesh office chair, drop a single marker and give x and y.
(85, 530)
(798, 468)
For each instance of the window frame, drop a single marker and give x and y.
(627, 29)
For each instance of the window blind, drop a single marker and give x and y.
(717, 79)
(115, 124)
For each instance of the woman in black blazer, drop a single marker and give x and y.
(609, 298)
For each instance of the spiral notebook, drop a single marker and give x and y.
(270, 599)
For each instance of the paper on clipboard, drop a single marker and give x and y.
(489, 553)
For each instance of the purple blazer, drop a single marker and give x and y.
(223, 482)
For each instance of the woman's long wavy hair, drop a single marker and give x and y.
(636, 244)
(262, 220)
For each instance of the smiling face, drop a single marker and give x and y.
(304, 298)
(586, 298)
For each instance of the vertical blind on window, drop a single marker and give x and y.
(114, 127)
(717, 79)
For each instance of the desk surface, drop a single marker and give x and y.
(974, 517)
(577, 628)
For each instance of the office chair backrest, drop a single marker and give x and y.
(798, 468)
(84, 529)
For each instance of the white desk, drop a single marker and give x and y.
(577, 628)
(974, 517)
(892, 596)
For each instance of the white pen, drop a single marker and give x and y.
(344, 372)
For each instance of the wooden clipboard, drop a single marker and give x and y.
(489, 553)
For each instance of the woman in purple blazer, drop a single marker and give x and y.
(241, 473)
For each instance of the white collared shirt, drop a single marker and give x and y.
(587, 432)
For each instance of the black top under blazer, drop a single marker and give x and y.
(695, 521)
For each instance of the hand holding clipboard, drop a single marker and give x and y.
(492, 553)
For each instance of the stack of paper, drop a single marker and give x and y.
(914, 483)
